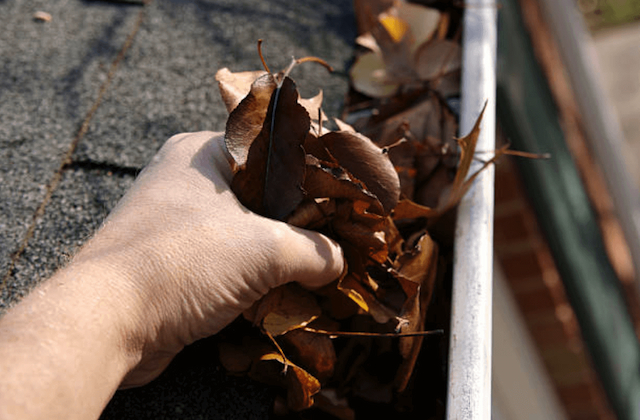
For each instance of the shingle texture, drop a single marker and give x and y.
(87, 98)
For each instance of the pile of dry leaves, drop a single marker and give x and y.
(382, 186)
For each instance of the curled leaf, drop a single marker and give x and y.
(235, 86)
(419, 265)
(270, 183)
(274, 368)
(329, 180)
(313, 214)
(246, 120)
(368, 163)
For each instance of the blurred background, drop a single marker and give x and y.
(577, 299)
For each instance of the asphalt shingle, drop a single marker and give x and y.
(51, 75)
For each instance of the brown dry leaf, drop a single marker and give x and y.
(360, 288)
(434, 191)
(274, 368)
(395, 241)
(313, 146)
(365, 9)
(270, 183)
(365, 231)
(292, 168)
(427, 129)
(437, 58)
(313, 351)
(369, 42)
(447, 85)
(329, 180)
(313, 214)
(343, 126)
(234, 87)
(420, 266)
(286, 308)
(408, 209)
(444, 25)
(352, 287)
(422, 120)
(393, 290)
(314, 106)
(370, 242)
(246, 121)
(335, 304)
(368, 163)
(461, 183)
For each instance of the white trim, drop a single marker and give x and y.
(521, 387)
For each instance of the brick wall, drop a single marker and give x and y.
(533, 278)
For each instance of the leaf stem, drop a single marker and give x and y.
(264, 63)
(284, 358)
(315, 60)
(334, 334)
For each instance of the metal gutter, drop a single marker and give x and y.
(469, 393)
(529, 117)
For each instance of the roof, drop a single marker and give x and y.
(87, 98)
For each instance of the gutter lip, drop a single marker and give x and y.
(469, 383)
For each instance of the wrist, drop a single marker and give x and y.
(132, 282)
(66, 343)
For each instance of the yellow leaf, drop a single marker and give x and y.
(395, 26)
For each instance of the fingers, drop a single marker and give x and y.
(294, 254)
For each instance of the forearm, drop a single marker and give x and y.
(62, 349)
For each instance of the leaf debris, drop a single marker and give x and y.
(383, 185)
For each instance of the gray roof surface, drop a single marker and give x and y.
(87, 98)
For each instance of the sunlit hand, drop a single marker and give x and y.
(194, 255)
(177, 260)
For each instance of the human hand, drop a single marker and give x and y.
(190, 258)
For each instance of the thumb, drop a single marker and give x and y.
(310, 258)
